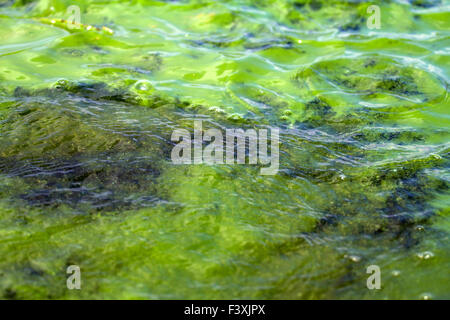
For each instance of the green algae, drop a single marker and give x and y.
(86, 118)
(372, 79)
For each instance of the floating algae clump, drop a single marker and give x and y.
(374, 79)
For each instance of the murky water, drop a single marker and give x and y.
(86, 116)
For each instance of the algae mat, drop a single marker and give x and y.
(87, 110)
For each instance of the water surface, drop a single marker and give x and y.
(86, 116)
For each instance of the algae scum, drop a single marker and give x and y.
(87, 112)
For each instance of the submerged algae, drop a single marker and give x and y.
(364, 156)
(369, 213)
(75, 155)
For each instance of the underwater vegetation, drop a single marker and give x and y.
(87, 114)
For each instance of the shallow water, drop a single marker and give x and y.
(86, 178)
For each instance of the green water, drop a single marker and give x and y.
(86, 178)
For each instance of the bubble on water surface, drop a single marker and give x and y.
(426, 255)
